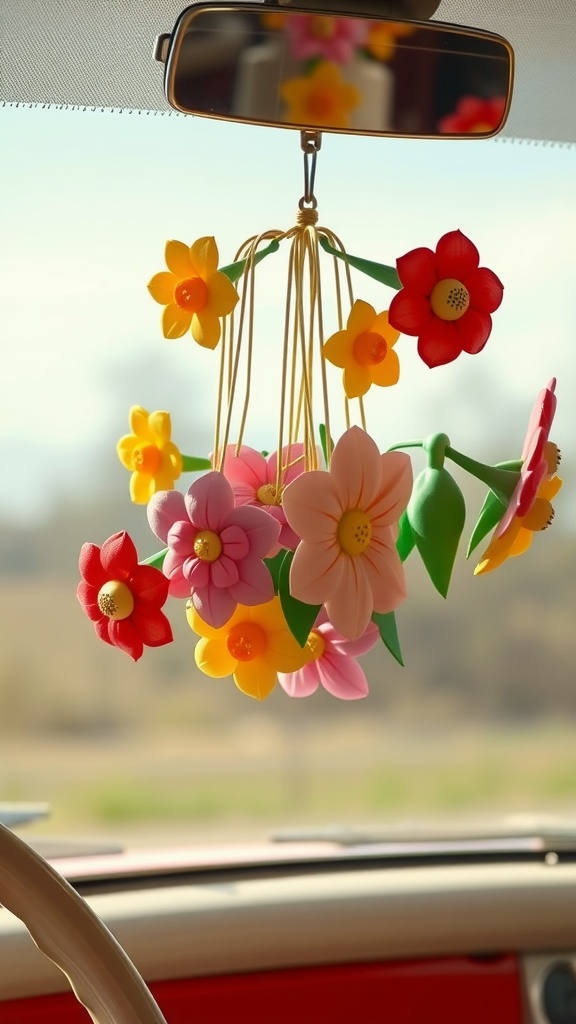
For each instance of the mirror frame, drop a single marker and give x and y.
(168, 49)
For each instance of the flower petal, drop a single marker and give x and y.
(350, 605)
(161, 287)
(417, 270)
(355, 468)
(175, 321)
(361, 318)
(203, 256)
(142, 487)
(177, 256)
(456, 256)
(317, 571)
(235, 543)
(224, 572)
(342, 676)
(255, 585)
(222, 295)
(255, 678)
(90, 565)
(336, 642)
(125, 447)
(206, 328)
(357, 380)
(385, 574)
(247, 469)
(395, 489)
(153, 627)
(409, 311)
(339, 349)
(284, 653)
(101, 629)
(210, 502)
(473, 330)
(196, 572)
(149, 585)
(213, 658)
(485, 290)
(160, 427)
(88, 597)
(302, 683)
(118, 556)
(261, 529)
(213, 605)
(387, 372)
(164, 509)
(124, 635)
(439, 342)
(312, 506)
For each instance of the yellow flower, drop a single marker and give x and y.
(381, 42)
(364, 350)
(517, 537)
(149, 453)
(321, 98)
(194, 292)
(253, 646)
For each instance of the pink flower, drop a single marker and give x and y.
(321, 35)
(540, 458)
(347, 518)
(332, 663)
(254, 482)
(215, 550)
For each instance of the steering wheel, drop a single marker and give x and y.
(65, 928)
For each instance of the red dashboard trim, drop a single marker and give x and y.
(444, 991)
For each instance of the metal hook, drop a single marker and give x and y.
(310, 142)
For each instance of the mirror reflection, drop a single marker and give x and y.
(347, 74)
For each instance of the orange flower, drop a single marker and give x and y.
(194, 292)
(364, 350)
(321, 98)
(347, 518)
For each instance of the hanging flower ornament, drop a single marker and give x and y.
(289, 562)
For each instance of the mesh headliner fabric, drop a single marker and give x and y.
(100, 55)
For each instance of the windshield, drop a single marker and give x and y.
(479, 724)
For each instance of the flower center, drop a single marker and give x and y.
(146, 459)
(539, 515)
(191, 294)
(370, 349)
(552, 455)
(115, 600)
(322, 27)
(354, 532)
(207, 546)
(316, 646)
(449, 299)
(246, 641)
(268, 494)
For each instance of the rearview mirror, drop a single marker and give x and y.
(348, 73)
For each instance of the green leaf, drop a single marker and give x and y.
(323, 444)
(235, 270)
(406, 539)
(193, 463)
(274, 564)
(436, 512)
(378, 271)
(157, 560)
(490, 515)
(300, 617)
(492, 510)
(389, 633)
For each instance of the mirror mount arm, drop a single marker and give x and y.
(310, 143)
(405, 10)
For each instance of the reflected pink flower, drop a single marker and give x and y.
(215, 550)
(347, 518)
(321, 35)
(474, 115)
(254, 482)
(332, 663)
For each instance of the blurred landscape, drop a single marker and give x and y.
(481, 721)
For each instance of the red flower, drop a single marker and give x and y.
(474, 115)
(446, 299)
(122, 598)
(540, 458)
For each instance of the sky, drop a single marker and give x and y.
(88, 200)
